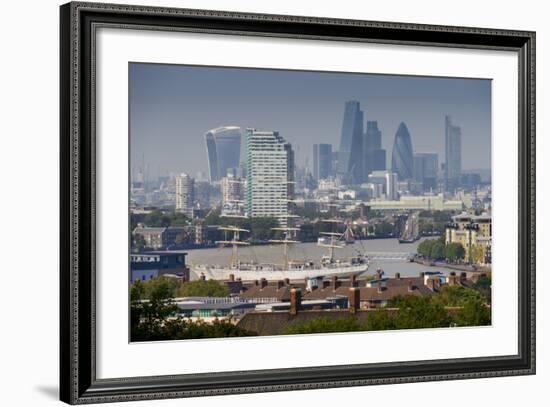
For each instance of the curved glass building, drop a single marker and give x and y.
(223, 147)
(402, 154)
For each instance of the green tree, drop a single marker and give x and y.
(203, 288)
(182, 328)
(456, 296)
(260, 228)
(325, 325)
(473, 313)
(476, 254)
(145, 289)
(380, 320)
(157, 219)
(153, 316)
(454, 252)
(178, 219)
(437, 250)
(425, 247)
(419, 312)
(483, 286)
(147, 315)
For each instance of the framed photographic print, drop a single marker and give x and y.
(256, 203)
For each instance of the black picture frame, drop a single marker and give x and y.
(78, 382)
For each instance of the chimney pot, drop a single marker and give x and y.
(287, 281)
(354, 299)
(397, 276)
(280, 284)
(295, 300)
(263, 283)
(430, 283)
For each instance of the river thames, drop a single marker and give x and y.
(273, 254)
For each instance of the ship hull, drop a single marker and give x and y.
(223, 273)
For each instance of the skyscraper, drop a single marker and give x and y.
(402, 154)
(223, 148)
(185, 194)
(453, 154)
(425, 169)
(374, 157)
(350, 154)
(232, 195)
(270, 175)
(322, 161)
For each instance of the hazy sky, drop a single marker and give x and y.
(172, 106)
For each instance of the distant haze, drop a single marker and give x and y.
(172, 106)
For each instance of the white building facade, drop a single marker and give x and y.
(185, 194)
(270, 175)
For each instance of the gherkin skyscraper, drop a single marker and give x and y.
(402, 154)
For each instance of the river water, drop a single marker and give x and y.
(310, 251)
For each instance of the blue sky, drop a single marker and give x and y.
(172, 106)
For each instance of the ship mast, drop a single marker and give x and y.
(289, 231)
(288, 239)
(333, 235)
(235, 242)
(333, 242)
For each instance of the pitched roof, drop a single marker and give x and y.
(270, 290)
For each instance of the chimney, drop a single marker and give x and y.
(295, 300)
(263, 283)
(421, 274)
(452, 280)
(475, 278)
(232, 277)
(280, 284)
(334, 283)
(256, 282)
(437, 284)
(203, 277)
(352, 280)
(410, 287)
(463, 276)
(287, 281)
(397, 276)
(354, 299)
(430, 283)
(326, 284)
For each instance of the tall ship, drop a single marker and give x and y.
(328, 265)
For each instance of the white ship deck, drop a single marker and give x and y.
(270, 273)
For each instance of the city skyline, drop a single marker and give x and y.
(164, 99)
